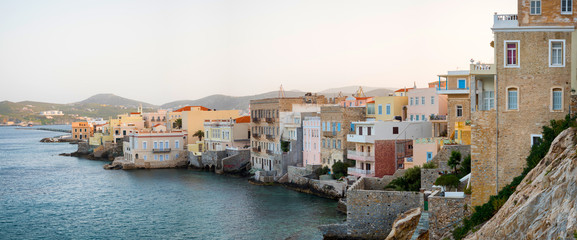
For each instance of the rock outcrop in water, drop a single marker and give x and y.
(545, 203)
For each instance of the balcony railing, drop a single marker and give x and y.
(255, 135)
(483, 69)
(270, 120)
(270, 152)
(329, 134)
(269, 137)
(360, 156)
(505, 21)
(255, 119)
(161, 150)
(438, 118)
(361, 172)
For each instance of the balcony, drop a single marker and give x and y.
(441, 91)
(329, 134)
(255, 135)
(361, 138)
(483, 69)
(255, 120)
(270, 120)
(360, 172)
(360, 156)
(269, 152)
(439, 118)
(160, 150)
(505, 21)
(269, 137)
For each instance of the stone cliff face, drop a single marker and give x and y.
(545, 203)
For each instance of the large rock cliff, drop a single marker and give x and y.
(545, 203)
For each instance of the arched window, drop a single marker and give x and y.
(512, 98)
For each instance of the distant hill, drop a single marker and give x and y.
(113, 100)
(353, 89)
(220, 102)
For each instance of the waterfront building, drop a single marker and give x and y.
(155, 149)
(52, 113)
(82, 131)
(359, 99)
(387, 108)
(312, 140)
(222, 134)
(155, 118)
(424, 150)
(401, 92)
(124, 124)
(367, 156)
(336, 124)
(193, 118)
(267, 153)
(533, 84)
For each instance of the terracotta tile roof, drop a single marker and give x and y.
(243, 119)
(403, 89)
(188, 108)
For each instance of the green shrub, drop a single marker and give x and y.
(484, 212)
(454, 160)
(465, 166)
(340, 169)
(410, 181)
(285, 146)
(447, 180)
(429, 165)
(322, 171)
(468, 190)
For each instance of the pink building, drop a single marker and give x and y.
(154, 118)
(424, 102)
(356, 101)
(312, 141)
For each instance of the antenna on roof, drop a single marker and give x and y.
(281, 92)
(360, 92)
(340, 94)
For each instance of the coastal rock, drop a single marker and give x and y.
(544, 205)
(405, 225)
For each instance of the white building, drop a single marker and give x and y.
(152, 148)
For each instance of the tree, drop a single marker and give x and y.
(448, 180)
(410, 181)
(454, 160)
(177, 123)
(465, 166)
(199, 134)
(340, 169)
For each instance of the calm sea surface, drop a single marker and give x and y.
(46, 196)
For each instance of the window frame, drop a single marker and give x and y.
(458, 108)
(531, 7)
(562, 41)
(516, 89)
(388, 109)
(518, 54)
(535, 135)
(553, 90)
(569, 5)
(380, 109)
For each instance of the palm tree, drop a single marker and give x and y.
(199, 134)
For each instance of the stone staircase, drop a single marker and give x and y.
(423, 225)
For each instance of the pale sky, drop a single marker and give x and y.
(160, 51)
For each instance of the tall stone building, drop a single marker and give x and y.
(534, 78)
(267, 133)
(336, 123)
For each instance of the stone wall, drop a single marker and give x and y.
(298, 180)
(371, 213)
(236, 160)
(443, 156)
(428, 178)
(211, 158)
(445, 213)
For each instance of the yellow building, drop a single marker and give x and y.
(462, 133)
(387, 108)
(193, 118)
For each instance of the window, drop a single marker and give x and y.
(161, 158)
(388, 109)
(536, 139)
(144, 145)
(155, 157)
(557, 99)
(417, 118)
(339, 144)
(360, 131)
(535, 7)
(488, 100)
(166, 157)
(459, 111)
(512, 99)
(144, 157)
(395, 130)
(176, 144)
(511, 53)
(334, 143)
(369, 131)
(411, 117)
(429, 156)
(557, 53)
(166, 144)
(324, 145)
(380, 109)
(416, 101)
(339, 127)
(411, 101)
(352, 127)
(432, 100)
(155, 145)
(423, 100)
(462, 83)
(370, 108)
(423, 117)
(566, 6)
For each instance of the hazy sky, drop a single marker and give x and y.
(160, 51)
